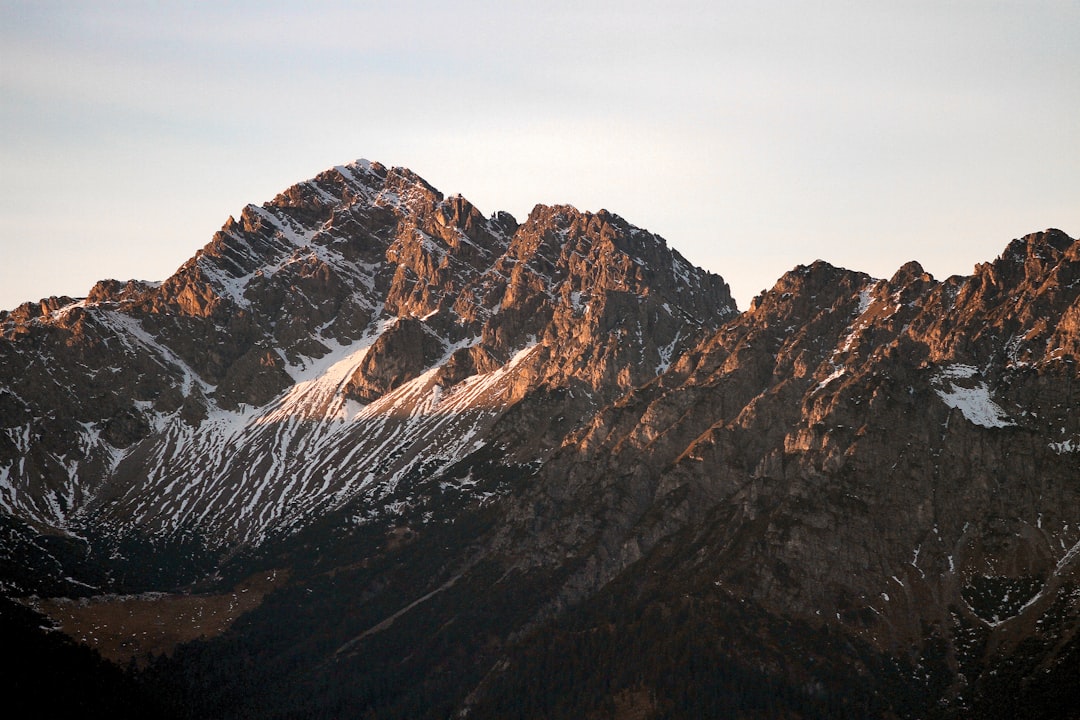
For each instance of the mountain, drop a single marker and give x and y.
(372, 454)
(357, 333)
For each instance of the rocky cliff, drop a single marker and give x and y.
(424, 459)
(894, 460)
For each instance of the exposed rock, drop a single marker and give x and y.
(400, 354)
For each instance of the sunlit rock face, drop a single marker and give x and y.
(475, 448)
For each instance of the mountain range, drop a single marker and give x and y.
(370, 453)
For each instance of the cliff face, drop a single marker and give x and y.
(495, 444)
(894, 459)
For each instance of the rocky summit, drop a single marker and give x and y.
(370, 453)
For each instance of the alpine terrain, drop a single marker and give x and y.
(372, 454)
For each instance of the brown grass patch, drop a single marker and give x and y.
(122, 627)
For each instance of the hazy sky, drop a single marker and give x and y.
(753, 136)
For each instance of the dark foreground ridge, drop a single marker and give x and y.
(372, 454)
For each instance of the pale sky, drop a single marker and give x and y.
(753, 136)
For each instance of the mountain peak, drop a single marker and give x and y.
(910, 272)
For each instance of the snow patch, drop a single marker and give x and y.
(666, 354)
(836, 373)
(1066, 446)
(865, 298)
(976, 405)
(974, 402)
(958, 371)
